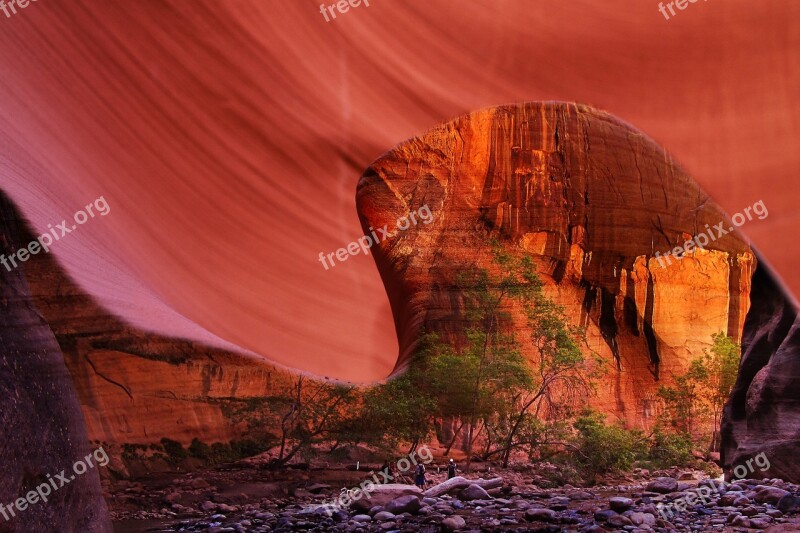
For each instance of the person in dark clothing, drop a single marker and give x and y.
(387, 467)
(419, 480)
(451, 469)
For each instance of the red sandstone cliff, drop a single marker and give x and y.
(228, 150)
(590, 197)
(593, 200)
(137, 387)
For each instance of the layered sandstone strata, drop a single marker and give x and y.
(593, 201)
(137, 387)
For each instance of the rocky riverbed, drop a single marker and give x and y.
(245, 501)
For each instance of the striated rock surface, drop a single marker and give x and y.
(594, 201)
(137, 387)
(42, 433)
(762, 415)
(229, 162)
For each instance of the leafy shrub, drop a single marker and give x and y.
(247, 448)
(131, 452)
(174, 450)
(603, 448)
(565, 474)
(226, 453)
(199, 449)
(221, 453)
(671, 449)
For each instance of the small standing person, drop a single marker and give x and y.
(419, 480)
(387, 467)
(451, 469)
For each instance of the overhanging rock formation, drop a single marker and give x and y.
(593, 200)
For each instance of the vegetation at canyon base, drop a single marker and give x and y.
(498, 395)
(694, 403)
(498, 400)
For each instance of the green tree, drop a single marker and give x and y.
(310, 411)
(482, 379)
(560, 369)
(697, 398)
(683, 401)
(670, 449)
(722, 367)
(401, 409)
(500, 387)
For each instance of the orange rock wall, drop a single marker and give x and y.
(136, 387)
(593, 200)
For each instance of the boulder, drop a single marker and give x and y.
(788, 504)
(639, 519)
(618, 521)
(317, 488)
(760, 418)
(604, 514)
(620, 504)
(384, 516)
(404, 504)
(453, 523)
(766, 494)
(383, 494)
(663, 485)
(42, 428)
(541, 515)
(474, 492)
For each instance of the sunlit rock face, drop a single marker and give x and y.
(594, 201)
(761, 416)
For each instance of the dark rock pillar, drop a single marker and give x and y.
(762, 415)
(42, 429)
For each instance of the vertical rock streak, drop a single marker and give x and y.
(592, 200)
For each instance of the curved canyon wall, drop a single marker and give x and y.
(228, 150)
(594, 201)
(590, 197)
(137, 387)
